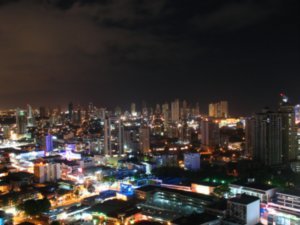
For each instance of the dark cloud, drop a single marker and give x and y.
(116, 51)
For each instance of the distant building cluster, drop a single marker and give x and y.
(170, 164)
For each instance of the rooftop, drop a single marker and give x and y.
(244, 199)
(257, 186)
(195, 219)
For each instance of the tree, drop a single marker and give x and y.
(222, 191)
(34, 207)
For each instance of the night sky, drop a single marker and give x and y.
(114, 52)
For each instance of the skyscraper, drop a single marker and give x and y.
(70, 110)
(21, 121)
(268, 148)
(144, 139)
(30, 118)
(218, 110)
(289, 129)
(49, 143)
(210, 134)
(175, 110)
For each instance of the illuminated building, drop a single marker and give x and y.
(21, 121)
(285, 207)
(264, 192)
(289, 130)
(166, 114)
(218, 110)
(244, 209)
(210, 134)
(192, 161)
(177, 202)
(70, 111)
(175, 110)
(144, 139)
(133, 109)
(47, 172)
(30, 118)
(49, 143)
(107, 137)
(268, 138)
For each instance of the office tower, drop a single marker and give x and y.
(70, 111)
(268, 147)
(175, 111)
(289, 130)
(49, 143)
(30, 118)
(144, 139)
(210, 134)
(192, 161)
(218, 110)
(47, 172)
(133, 109)
(21, 121)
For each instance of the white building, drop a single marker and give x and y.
(47, 172)
(263, 192)
(244, 209)
(192, 161)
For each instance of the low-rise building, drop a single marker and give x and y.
(264, 192)
(244, 209)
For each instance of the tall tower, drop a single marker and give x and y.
(144, 139)
(30, 119)
(175, 110)
(268, 147)
(21, 121)
(70, 111)
(107, 137)
(289, 129)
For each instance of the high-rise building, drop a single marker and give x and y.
(175, 111)
(70, 111)
(144, 139)
(21, 121)
(289, 130)
(49, 143)
(133, 109)
(218, 109)
(210, 134)
(43, 112)
(166, 114)
(30, 118)
(107, 137)
(268, 148)
(47, 172)
(297, 114)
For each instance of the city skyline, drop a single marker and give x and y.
(109, 54)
